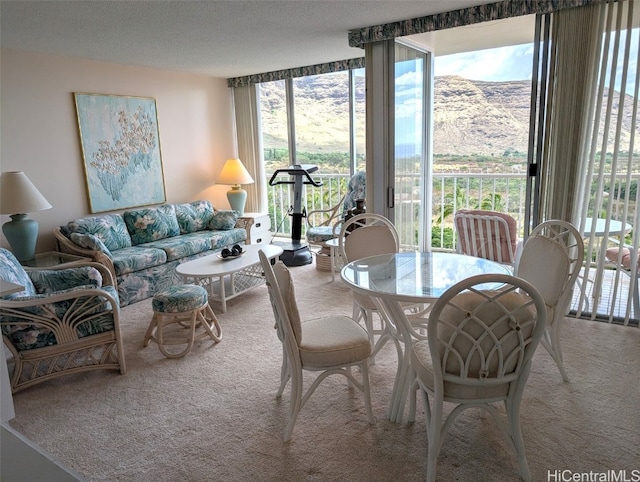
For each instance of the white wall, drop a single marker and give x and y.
(39, 129)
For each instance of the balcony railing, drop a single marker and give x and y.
(451, 191)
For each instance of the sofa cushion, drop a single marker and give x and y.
(136, 258)
(194, 216)
(151, 224)
(223, 220)
(183, 245)
(220, 239)
(109, 228)
(90, 241)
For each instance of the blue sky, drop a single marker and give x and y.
(494, 65)
(514, 63)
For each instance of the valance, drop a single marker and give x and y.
(317, 69)
(459, 18)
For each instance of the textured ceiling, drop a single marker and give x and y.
(216, 38)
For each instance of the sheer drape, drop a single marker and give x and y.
(247, 113)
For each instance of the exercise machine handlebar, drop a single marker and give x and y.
(296, 171)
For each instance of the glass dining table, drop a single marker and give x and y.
(416, 279)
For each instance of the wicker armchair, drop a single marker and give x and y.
(324, 224)
(64, 321)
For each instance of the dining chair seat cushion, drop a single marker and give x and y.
(331, 341)
(481, 363)
(612, 255)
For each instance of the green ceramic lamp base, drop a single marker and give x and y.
(21, 233)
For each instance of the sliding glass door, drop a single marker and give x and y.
(411, 201)
(398, 138)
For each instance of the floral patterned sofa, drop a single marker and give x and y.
(142, 247)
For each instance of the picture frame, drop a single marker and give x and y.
(121, 153)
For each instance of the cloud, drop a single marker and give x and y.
(491, 65)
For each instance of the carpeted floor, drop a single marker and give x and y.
(213, 416)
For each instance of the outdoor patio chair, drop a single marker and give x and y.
(487, 234)
(324, 224)
(626, 260)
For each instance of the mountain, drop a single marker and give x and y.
(470, 117)
(475, 117)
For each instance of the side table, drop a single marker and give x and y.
(257, 226)
(333, 245)
(50, 259)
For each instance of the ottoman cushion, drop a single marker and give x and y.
(179, 299)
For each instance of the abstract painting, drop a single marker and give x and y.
(121, 151)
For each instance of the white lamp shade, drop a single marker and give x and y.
(18, 195)
(233, 172)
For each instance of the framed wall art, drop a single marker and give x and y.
(121, 151)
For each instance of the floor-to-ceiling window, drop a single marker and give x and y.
(313, 120)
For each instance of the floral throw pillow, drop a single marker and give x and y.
(194, 216)
(223, 220)
(151, 224)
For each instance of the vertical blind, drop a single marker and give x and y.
(586, 143)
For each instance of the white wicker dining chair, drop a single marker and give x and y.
(560, 245)
(365, 235)
(478, 354)
(331, 345)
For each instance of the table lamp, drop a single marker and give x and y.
(234, 173)
(19, 195)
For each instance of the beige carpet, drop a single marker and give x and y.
(213, 416)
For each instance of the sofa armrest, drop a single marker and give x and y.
(65, 245)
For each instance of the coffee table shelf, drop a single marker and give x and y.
(226, 279)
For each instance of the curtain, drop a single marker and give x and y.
(572, 53)
(247, 113)
(586, 144)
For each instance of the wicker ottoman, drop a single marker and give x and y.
(181, 315)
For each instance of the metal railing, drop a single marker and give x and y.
(451, 191)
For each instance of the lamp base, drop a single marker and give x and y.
(237, 198)
(21, 233)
